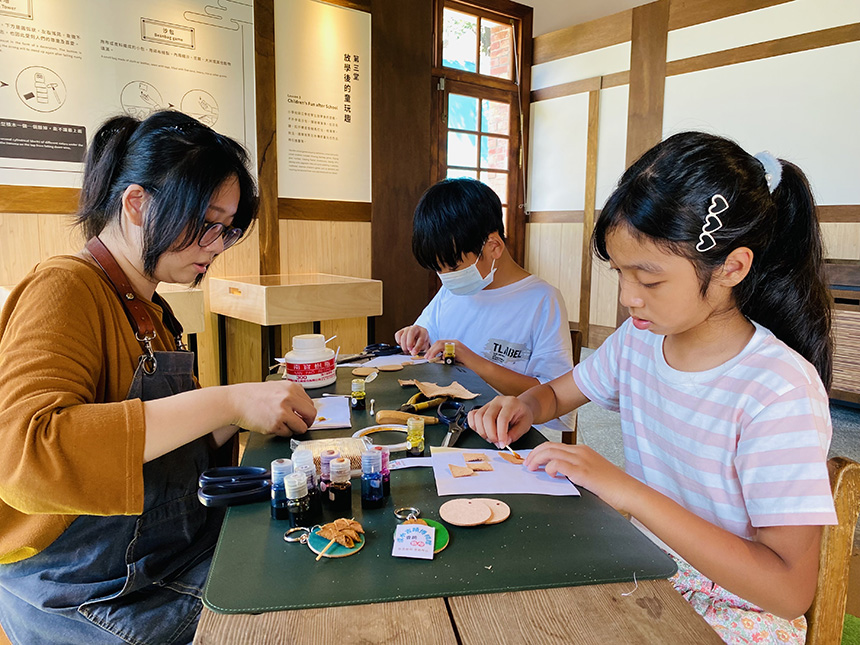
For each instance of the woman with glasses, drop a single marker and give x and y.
(104, 429)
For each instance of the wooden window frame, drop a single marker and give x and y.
(492, 88)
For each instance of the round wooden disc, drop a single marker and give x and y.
(390, 368)
(500, 510)
(363, 371)
(465, 512)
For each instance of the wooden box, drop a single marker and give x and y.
(295, 298)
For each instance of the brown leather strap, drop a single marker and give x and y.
(139, 317)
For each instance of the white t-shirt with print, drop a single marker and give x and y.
(522, 326)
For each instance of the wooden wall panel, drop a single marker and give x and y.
(19, 246)
(841, 240)
(554, 253)
(58, 235)
(588, 36)
(341, 248)
(401, 33)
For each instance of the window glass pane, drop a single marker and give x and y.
(498, 181)
(462, 149)
(459, 40)
(496, 50)
(455, 173)
(462, 112)
(495, 117)
(494, 153)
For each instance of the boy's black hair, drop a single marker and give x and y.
(454, 217)
(180, 162)
(665, 196)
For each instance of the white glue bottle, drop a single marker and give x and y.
(311, 364)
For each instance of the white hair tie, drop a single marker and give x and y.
(772, 169)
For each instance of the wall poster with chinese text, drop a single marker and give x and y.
(322, 68)
(70, 64)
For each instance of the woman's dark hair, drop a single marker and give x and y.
(665, 197)
(454, 217)
(179, 161)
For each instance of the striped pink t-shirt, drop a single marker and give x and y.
(742, 445)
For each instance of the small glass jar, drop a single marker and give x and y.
(357, 400)
(415, 436)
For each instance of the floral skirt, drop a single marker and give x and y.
(735, 620)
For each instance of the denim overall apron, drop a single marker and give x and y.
(125, 579)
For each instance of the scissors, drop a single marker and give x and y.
(232, 485)
(455, 414)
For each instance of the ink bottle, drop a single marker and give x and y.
(303, 462)
(371, 479)
(448, 354)
(298, 500)
(357, 399)
(279, 469)
(386, 474)
(415, 436)
(326, 457)
(339, 492)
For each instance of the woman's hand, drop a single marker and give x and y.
(413, 339)
(280, 407)
(585, 467)
(502, 421)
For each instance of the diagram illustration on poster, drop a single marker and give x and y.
(75, 63)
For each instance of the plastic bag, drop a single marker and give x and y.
(348, 447)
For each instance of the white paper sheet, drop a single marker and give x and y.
(504, 478)
(335, 412)
(393, 359)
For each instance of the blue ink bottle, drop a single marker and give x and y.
(371, 479)
(298, 500)
(280, 468)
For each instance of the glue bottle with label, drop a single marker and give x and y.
(279, 469)
(339, 491)
(298, 500)
(371, 479)
(303, 462)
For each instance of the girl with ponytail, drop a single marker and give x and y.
(104, 426)
(720, 375)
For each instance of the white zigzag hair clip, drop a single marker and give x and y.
(712, 223)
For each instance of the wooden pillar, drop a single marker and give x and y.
(588, 214)
(401, 37)
(650, 30)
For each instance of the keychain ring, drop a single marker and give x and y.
(303, 538)
(407, 513)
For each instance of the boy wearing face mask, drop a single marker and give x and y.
(508, 326)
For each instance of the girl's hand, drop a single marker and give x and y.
(413, 339)
(585, 467)
(462, 354)
(502, 421)
(281, 407)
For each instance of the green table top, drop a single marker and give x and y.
(547, 541)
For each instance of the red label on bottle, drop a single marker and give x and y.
(310, 372)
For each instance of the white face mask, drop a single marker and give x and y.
(468, 281)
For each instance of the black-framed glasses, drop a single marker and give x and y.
(213, 230)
